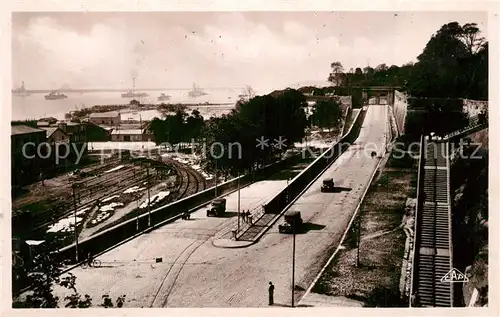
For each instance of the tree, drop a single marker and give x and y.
(44, 275)
(326, 114)
(279, 115)
(381, 68)
(336, 75)
(471, 37)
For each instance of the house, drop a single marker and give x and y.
(77, 134)
(97, 133)
(130, 135)
(26, 163)
(56, 136)
(111, 118)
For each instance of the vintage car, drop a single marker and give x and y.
(291, 218)
(328, 185)
(218, 208)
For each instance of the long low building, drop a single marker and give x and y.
(130, 135)
(112, 118)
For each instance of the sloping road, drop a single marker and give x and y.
(194, 273)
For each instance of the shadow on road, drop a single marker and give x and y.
(308, 226)
(341, 189)
(227, 214)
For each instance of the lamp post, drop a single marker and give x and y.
(358, 239)
(149, 198)
(293, 261)
(216, 177)
(238, 202)
(75, 185)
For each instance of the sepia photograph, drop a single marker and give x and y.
(247, 159)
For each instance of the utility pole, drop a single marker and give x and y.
(293, 261)
(238, 202)
(215, 177)
(75, 228)
(149, 198)
(358, 238)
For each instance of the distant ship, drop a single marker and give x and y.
(196, 91)
(163, 97)
(132, 93)
(55, 95)
(21, 92)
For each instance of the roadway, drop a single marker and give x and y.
(195, 273)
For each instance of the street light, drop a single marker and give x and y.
(238, 202)
(293, 261)
(149, 198)
(75, 185)
(216, 177)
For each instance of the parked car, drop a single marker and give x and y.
(291, 217)
(218, 208)
(328, 185)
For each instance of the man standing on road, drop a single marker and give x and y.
(271, 293)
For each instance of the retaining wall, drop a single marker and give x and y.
(400, 109)
(116, 234)
(300, 182)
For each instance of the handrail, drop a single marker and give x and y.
(450, 237)
(418, 206)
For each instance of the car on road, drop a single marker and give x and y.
(218, 208)
(328, 185)
(291, 217)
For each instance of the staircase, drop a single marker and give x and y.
(433, 248)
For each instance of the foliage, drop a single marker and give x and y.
(44, 275)
(454, 64)
(29, 123)
(233, 137)
(178, 127)
(326, 114)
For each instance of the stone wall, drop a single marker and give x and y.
(400, 110)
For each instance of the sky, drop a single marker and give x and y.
(266, 50)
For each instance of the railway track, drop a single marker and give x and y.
(433, 253)
(69, 208)
(190, 181)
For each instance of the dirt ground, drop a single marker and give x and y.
(376, 281)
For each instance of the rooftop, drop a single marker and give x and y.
(104, 114)
(51, 130)
(129, 131)
(23, 129)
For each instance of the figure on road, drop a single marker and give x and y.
(271, 293)
(90, 259)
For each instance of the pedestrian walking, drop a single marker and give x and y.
(271, 293)
(244, 216)
(250, 219)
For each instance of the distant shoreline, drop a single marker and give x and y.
(36, 91)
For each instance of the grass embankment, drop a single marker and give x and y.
(376, 281)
